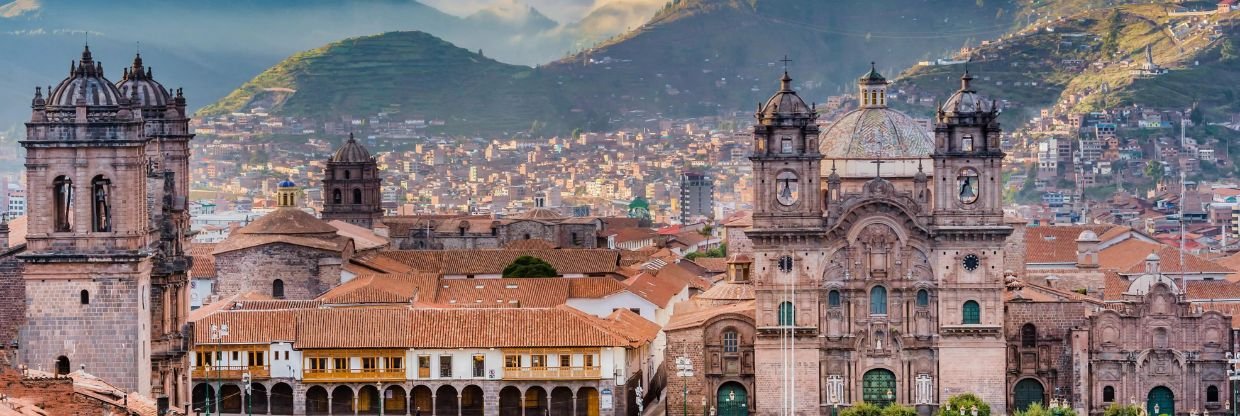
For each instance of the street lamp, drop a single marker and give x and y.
(684, 370)
(217, 334)
(835, 403)
(973, 410)
(245, 379)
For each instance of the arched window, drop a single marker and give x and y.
(84, 297)
(357, 196)
(971, 313)
(62, 191)
(277, 289)
(1108, 394)
(787, 314)
(62, 365)
(1028, 336)
(337, 198)
(100, 207)
(1212, 394)
(833, 299)
(731, 341)
(878, 300)
(923, 298)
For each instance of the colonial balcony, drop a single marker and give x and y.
(230, 372)
(349, 375)
(551, 373)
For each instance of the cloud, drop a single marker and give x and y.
(18, 7)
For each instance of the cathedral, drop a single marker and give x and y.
(876, 267)
(104, 264)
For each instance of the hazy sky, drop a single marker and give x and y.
(562, 11)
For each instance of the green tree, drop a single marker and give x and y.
(1154, 170)
(1110, 43)
(1229, 52)
(862, 409)
(1036, 409)
(530, 266)
(898, 410)
(1124, 410)
(1196, 116)
(966, 401)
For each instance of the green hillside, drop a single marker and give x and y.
(1034, 68)
(409, 74)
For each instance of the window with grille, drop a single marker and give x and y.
(479, 365)
(445, 366)
(972, 313)
(878, 300)
(731, 341)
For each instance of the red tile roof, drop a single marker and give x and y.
(1056, 244)
(466, 262)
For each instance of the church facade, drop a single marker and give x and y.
(104, 267)
(877, 256)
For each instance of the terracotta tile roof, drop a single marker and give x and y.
(249, 327)
(1037, 293)
(380, 263)
(1056, 244)
(633, 327)
(223, 304)
(473, 225)
(287, 221)
(1212, 289)
(204, 262)
(403, 225)
(504, 293)
(1113, 286)
(363, 239)
(17, 230)
(1169, 261)
(594, 287)
(371, 327)
(741, 219)
(274, 304)
(725, 291)
(1113, 233)
(712, 264)
(695, 318)
(466, 262)
(374, 288)
(657, 289)
(625, 235)
(1231, 262)
(242, 241)
(684, 274)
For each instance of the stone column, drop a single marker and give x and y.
(329, 402)
(574, 402)
(356, 400)
(433, 409)
(459, 401)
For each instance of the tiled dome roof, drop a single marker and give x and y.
(85, 81)
(966, 100)
(539, 214)
(286, 184)
(870, 133)
(785, 102)
(351, 152)
(141, 87)
(288, 221)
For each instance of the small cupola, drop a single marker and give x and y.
(286, 194)
(872, 89)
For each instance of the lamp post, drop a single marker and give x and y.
(218, 332)
(245, 379)
(1233, 375)
(684, 370)
(835, 403)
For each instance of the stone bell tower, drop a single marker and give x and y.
(969, 228)
(88, 259)
(352, 189)
(787, 237)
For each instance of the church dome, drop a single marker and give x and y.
(351, 152)
(85, 81)
(1142, 285)
(966, 100)
(875, 131)
(785, 103)
(871, 133)
(141, 87)
(286, 184)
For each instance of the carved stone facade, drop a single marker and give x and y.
(105, 270)
(877, 285)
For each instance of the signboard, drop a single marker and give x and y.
(604, 400)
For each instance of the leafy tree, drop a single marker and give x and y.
(1124, 410)
(862, 409)
(896, 409)
(966, 401)
(1110, 43)
(1154, 170)
(1036, 409)
(1229, 52)
(530, 266)
(1195, 115)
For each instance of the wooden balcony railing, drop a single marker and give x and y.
(230, 372)
(551, 373)
(331, 375)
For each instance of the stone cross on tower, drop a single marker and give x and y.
(786, 61)
(878, 167)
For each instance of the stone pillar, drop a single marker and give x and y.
(355, 401)
(459, 401)
(329, 402)
(433, 409)
(574, 402)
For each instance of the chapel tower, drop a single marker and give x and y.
(351, 186)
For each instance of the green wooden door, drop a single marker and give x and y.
(731, 400)
(1160, 402)
(878, 387)
(1028, 391)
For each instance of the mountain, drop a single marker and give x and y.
(1084, 62)
(514, 15)
(410, 75)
